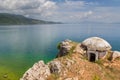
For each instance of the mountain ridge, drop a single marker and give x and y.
(14, 19)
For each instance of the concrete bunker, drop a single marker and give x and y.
(92, 57)
(96, 48)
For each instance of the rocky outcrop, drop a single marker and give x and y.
(39, 71)
(74, 66)
(64, 48)
(79, 49)
(55, 67)
(116, 54)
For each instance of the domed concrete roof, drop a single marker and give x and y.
(96, 43)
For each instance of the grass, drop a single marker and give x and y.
(53, 77)
(109, 55)
(118, 58)
(71, 50)
(110, 76)
(58, 45)
(100, 62)
(96, 77)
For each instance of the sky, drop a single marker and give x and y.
(72, 11)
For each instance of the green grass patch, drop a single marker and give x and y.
(71, 50)
(53, 77)
(58, 45)
(109, 55)
(100, 62)
(96, 77)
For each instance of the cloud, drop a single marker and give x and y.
(106, 14)
(26, 6)
(72, 11)
(71, 5)
(43, 9)
(65, 11)
(81, 15)
(18, 4)
(79, 11)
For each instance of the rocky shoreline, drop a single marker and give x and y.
(71, 64)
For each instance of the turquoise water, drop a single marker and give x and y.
(22, 46)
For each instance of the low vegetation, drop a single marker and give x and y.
(75, 67)
(96, 77)
(71, 64)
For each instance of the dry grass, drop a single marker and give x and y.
(73, 65)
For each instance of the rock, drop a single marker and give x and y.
(69, 62)
(67, 40)
(5, 75)
(74, 78)
(55, 67)
(39, 71)
(78, 49)
(64, 48)
(115, 55)
(106, 64)
(73, 66)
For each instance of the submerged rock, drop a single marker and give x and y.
(5, 75)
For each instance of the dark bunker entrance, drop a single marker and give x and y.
(92, 57)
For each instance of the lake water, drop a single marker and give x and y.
(22, 46)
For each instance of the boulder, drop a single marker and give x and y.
(55, 67)
(115, 55)
(64, 48)
(74, 78)
(39, 71)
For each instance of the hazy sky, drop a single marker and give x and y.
(65, 10)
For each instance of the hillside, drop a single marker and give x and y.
(71, 64)
(12, 19)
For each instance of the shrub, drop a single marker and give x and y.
(96, 77)
(58, 45)
(100, 62)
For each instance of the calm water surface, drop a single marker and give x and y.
(22, 46)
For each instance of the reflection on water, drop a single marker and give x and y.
(21, 46)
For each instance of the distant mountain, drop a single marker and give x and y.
(13, 19)
(96, 22)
